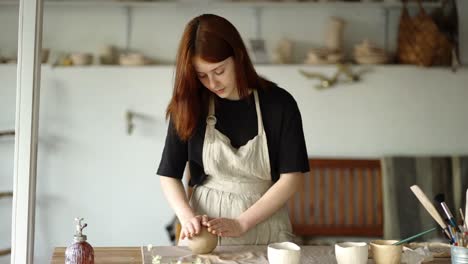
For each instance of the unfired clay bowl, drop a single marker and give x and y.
(385, 253)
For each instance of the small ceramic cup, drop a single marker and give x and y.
(385, 253)
(351, 252)
(284, 252)
(459, 255)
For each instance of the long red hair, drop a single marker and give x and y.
(213, 39)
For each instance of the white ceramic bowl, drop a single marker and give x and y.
(284, 253)
(351, 252)
(81, 58)
(132, 59)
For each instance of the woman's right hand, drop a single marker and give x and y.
(192, 226)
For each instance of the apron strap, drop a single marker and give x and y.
(259, 113)
(211, 118)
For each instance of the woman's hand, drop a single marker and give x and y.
(227, 227)
(192, 226)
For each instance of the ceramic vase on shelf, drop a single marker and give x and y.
(334, 34)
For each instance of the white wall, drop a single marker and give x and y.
(88, 166)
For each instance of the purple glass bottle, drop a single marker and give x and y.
(80, 252)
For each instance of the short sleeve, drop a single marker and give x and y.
(175, 155)
(292, 156)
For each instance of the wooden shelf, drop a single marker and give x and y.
(163, 66)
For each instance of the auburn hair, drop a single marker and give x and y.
(213, 39)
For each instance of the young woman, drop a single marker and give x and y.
(241, 135)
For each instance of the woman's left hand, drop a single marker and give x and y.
(226, 227)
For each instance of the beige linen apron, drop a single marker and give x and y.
(236, 179)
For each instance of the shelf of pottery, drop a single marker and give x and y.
(332, 51)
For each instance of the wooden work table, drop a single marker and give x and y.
(131, 255)
(105, 255)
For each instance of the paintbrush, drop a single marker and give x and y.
(440, 198)
(431, 209)
(464, 225)
(408, 239)
(466, 209)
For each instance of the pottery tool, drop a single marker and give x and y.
(464, 225)
(466, 209)
(440, 198)
(408, 239)
(431, 209)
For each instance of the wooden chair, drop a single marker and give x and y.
(5, 251)
(339, 197)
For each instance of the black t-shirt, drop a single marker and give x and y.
(238, 121)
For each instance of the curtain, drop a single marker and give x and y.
(404, 215)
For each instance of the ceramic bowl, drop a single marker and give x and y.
(384, 252)
(351, 252)
(284, 252)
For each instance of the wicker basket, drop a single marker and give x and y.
(420, 41)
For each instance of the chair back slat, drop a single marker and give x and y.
(341, 198)
(321, 200)
(311, 202)
(351, 203)
(369, 202)
(332, 194)
(378, 194)
(360, 197)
